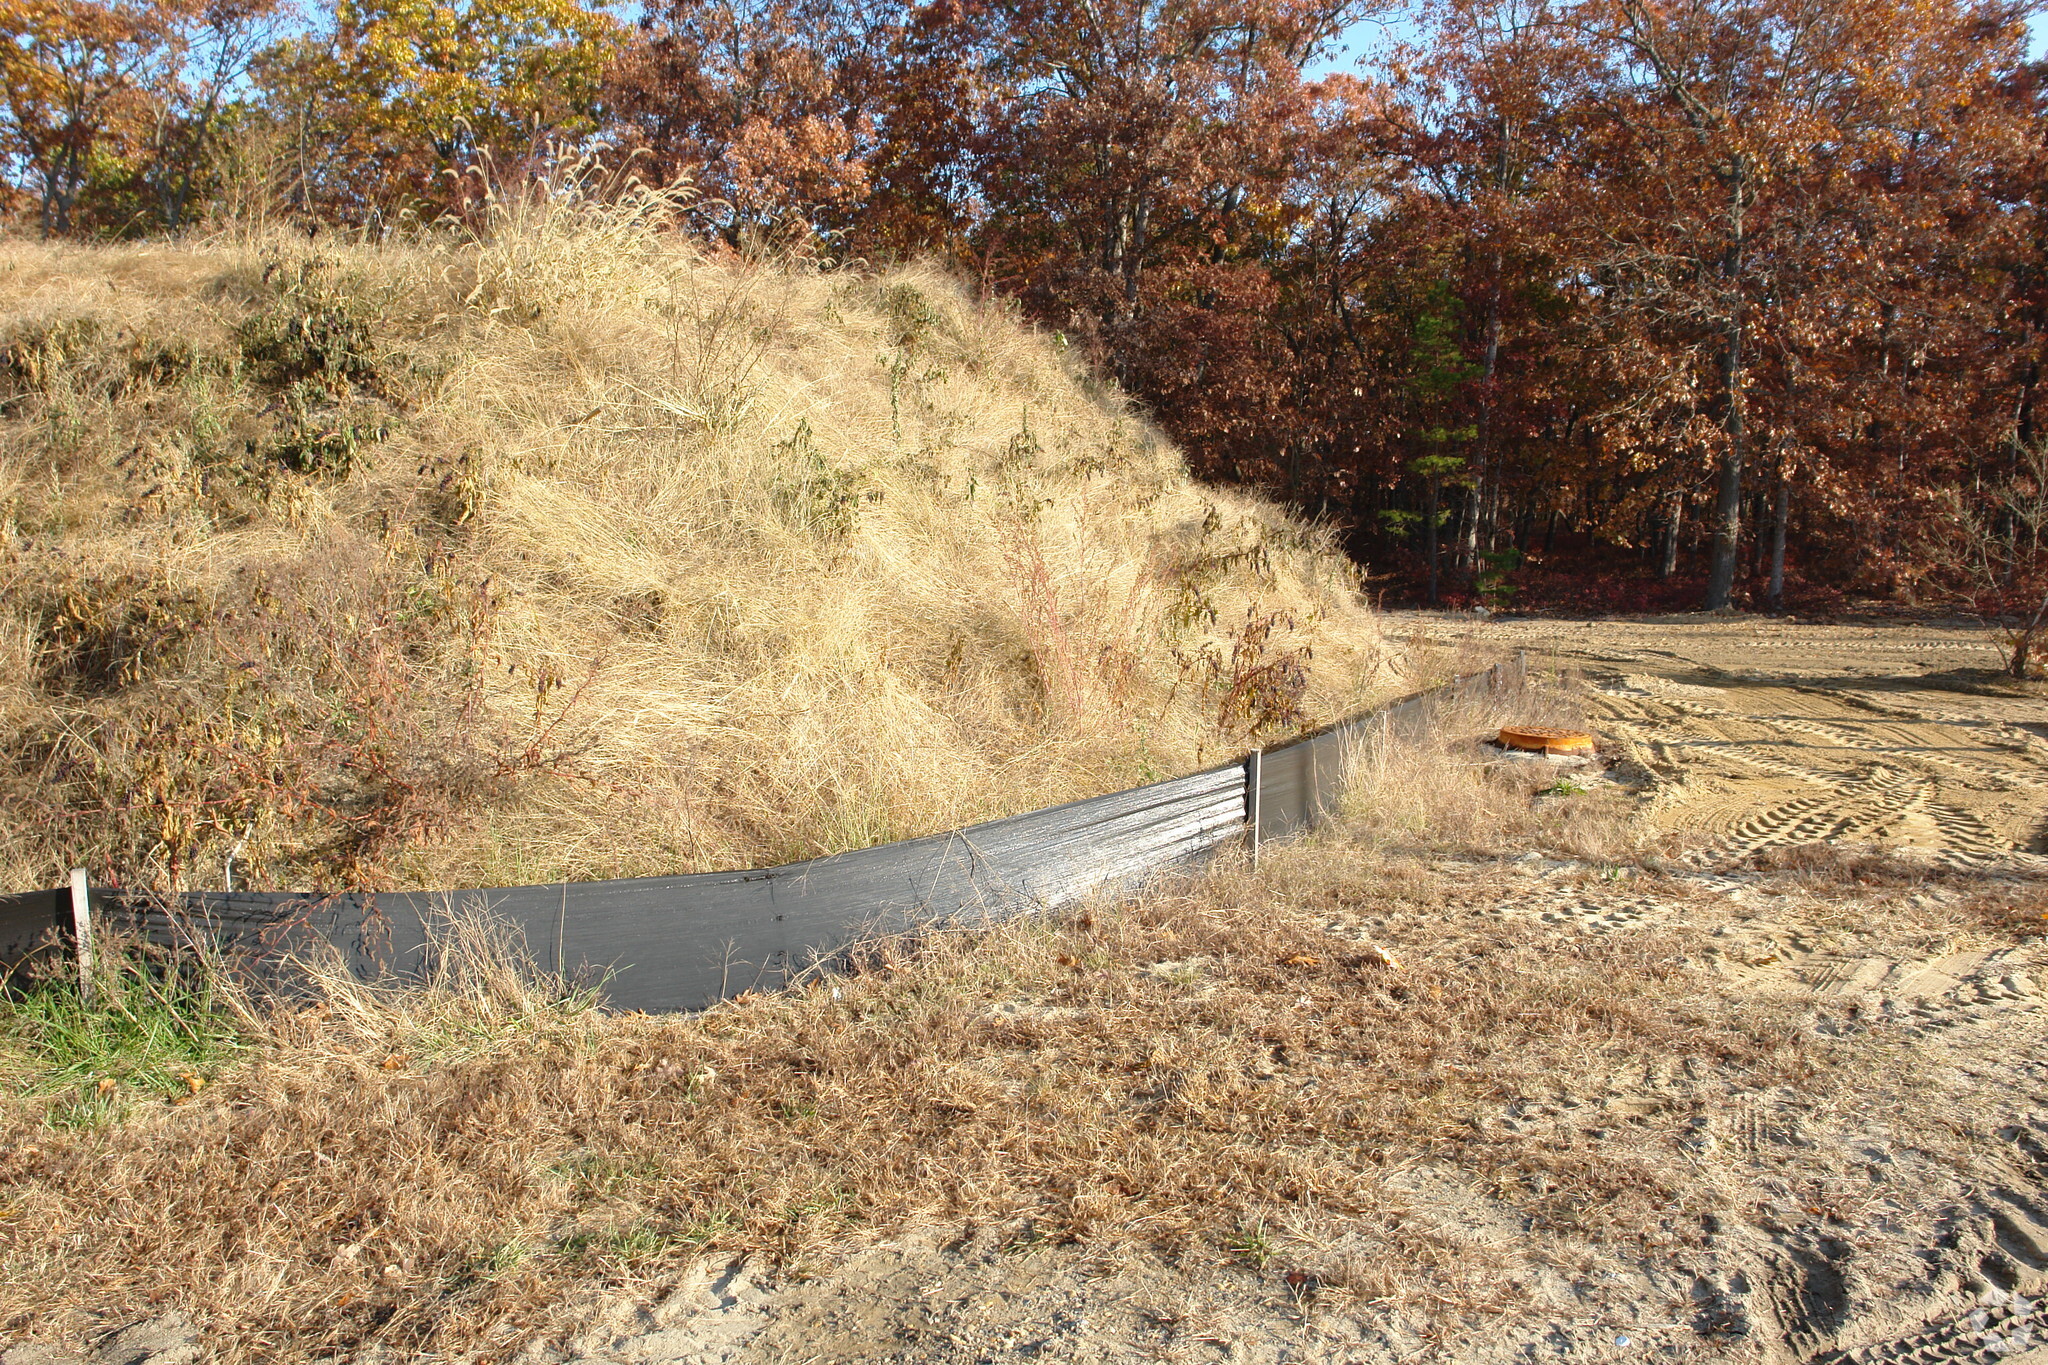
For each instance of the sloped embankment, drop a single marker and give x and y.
(572, 552)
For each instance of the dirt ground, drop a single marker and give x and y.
(1763, 734)
(1845, 830)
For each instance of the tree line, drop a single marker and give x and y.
(1747, 297)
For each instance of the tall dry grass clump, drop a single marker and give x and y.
(570, 551)
(1451, 789)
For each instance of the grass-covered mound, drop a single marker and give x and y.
(573, 552)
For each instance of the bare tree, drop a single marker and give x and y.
(1989, 548)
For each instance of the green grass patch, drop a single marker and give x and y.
(1252, 1244)
(152, 1028)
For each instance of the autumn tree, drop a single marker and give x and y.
(1120, 135)
(1740, 188)
(759, 102)
(404, 100)
(1477, 113)
(212, 46)
(1139, 162)
(77, 78)
(115, 112)
(1503, 149)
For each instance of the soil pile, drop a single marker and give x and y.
(568, 551)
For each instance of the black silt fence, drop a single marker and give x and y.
(684, 942)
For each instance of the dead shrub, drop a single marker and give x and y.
(337, 729)
(2011, 906)
(1844, 865)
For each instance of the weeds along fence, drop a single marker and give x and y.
(685, 942)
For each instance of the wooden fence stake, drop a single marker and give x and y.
(81, 928)
(1251, 801)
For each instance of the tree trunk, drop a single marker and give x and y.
(2023, 643)
(1483, 431)
(1134, 255)
(1728, 487)
(2023, 423)
(1468, 531)
(1728, 493)
(1779, 515)
(1672, 530)
(1431, 541)
(1491, 542)
(1727, 531)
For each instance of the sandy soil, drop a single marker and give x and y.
(1893, 1207)
(1902, 1218)
(1765, 734)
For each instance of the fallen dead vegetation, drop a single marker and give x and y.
(1235, 1066)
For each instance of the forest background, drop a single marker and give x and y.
(1610, 304)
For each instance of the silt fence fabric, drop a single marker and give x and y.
(685, 942)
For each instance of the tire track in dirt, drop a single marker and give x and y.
(1998, 774)
(1802, 1286)
(1756, 735)
(1761, 734)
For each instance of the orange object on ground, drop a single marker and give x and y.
(1543, 740)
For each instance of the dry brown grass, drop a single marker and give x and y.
(571, 552)
(1234, 1064)
(1459, 791)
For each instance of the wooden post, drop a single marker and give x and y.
(1313, 814)
(81, 928)
(1252, 764)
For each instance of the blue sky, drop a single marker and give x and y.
(1372, 35)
